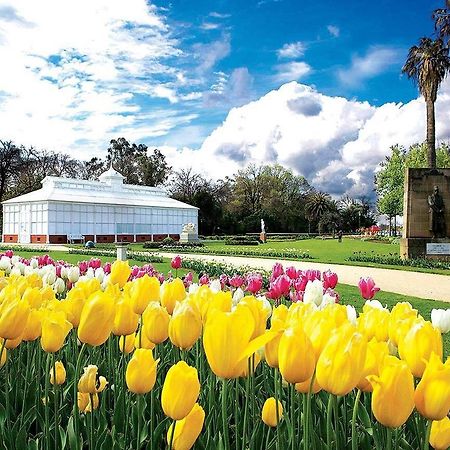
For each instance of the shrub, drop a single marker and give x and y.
(241, 240)
(167, 241)
(395, 260)
(145, 257)
(150, 244)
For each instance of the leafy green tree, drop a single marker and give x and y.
(317, 204)
(427, 64)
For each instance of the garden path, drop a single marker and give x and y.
(416, 284)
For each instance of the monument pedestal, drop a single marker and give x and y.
(417, 240)
(187, 237)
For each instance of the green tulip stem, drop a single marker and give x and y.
(331, 399)
(307, 416)
(224, 414)
(91, 422)
(30, 357)
(247, 395)
(389, 439)
(55, 387)
(152, 416)
(292, 399)
(172, 434)
(277, 411)
(140, 330)
(138, 433)
(76, 418)
(3, 349)
(355, 413)
(426, 444)
(47, 404)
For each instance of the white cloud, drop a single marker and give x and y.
(211, 53)
(291, 71)
(209, 26)
(377, 60)
(74, 68)
(333, 30)
(336, 143)
(218, 15)
(292, 50)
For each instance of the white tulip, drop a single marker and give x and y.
(238, 295)
(90, 273)
(64, 272)
(15, 271)
(313, 292)
(440, 318)
(193, 288)
(34, 263)
(59, 286)
(5, 264)
(49, 278)
(99, 274)
(215, 286)
(104, 284)
(15, 259)
(266, 305)
(28, 270)
(73, 274)
(327, 300)
(351, 314)
(374, 304)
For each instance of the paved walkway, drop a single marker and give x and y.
(416, 284)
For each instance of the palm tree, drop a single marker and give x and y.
(317, 204)
(441, 19)
(427, 64)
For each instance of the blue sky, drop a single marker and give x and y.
(315, 86)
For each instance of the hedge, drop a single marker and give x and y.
(137, 256)
(395, 260)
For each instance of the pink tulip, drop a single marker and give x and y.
(9, 253)
(296, 296)
(312, 275)
(292, 272)
(330, 279)
(300, 283)
(367, 288)
(280, 287)
(161, 278)
(134, 271)
(107, 268)
(58, 271)
(236, 281)
(176, 262)
(83, 266)
(223, 280)
(277, 270)
(254, 283)
(204, 279)
(187, 280)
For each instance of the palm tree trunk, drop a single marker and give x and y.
(431, 135)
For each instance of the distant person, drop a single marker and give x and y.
(339, 235)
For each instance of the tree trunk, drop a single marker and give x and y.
(431, 135)
(395, 225)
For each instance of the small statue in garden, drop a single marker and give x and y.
(262, 235)
(437, 224)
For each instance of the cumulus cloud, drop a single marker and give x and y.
(377, 60)
(292, 50)
(291, 71)
(210, 53)
(334, 142)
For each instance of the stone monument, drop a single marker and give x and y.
(189, 234)
(426, 214)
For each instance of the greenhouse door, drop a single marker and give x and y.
(24, 224)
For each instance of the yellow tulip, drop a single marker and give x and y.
(84, 402)
(13, 317)
(73, 305)
(141, 371)
(187, 430)
(318, 328)
(125, 319)
(376, 352)
(296, 356)
(440, 434)
(341, 363)
(143, 291)
(55, 328)
(402, 311)
(48, 294)
(203, 298)
(260, 313)
(33, 296)
(252, 364)
(432, 396)
(89, 383)
(269, 412)
(126, 343)
(60, 374)
(221, 301)
(120, 272)
(271, 350)
(34, 326)
(180, 391)
(374, 323)
(34, 280)
(96, 320)
(279, 316)
(185, 326)
(306, 385)
(227, 341)
(156, 320)
(13, 343)
(393, 393)
(142, 341)
(171, 293)
(416, 347)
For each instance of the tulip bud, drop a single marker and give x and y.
(376, 352)
(141, 371)
(416, 347)
(341, 363)
(305, 386)
(440, 434)
(120, 272)
(156, 319)
(13, 317)
(55, 328)
(97, 319)
(432, 396)
(180, 391)
(60, 374)
(125, 319)
(187, 430)
(33, 328)
(142, 341)
(73, 274)
(269, 412)
(393, 393)
(176, 262)
(143, 291)
(171, 293)
(89, 383)
(126, 343)
(440, 318)
(185, 326)
(313, 292)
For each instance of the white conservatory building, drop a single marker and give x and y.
(66, 210)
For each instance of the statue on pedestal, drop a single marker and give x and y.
(262, 235)
(437, 224)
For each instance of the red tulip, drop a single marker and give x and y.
(176, 262)
(292, 273)
(367, 288)
(254, 283)
(330, 279)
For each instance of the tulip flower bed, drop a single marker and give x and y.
(125, 358)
